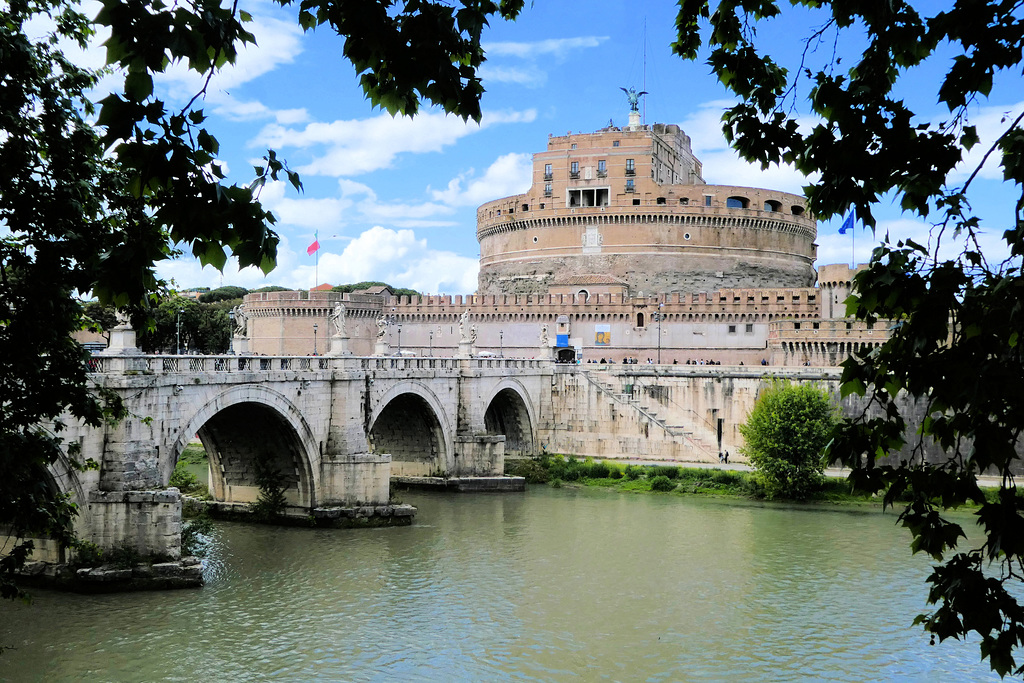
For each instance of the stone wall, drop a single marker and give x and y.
(148, 521)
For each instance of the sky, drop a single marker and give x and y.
(394, 199)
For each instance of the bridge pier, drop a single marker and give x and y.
(359, 479)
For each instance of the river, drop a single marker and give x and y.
(550, 585)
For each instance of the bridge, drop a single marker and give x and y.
(334, 429)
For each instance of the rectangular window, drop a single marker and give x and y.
(615, 143)
(573, 146)
(547, 171)
(630, 167)
(547, 189)
(575, 170)
(732, 329)
(601, 167)
(750, 328)
(630, 187)
(707, 200)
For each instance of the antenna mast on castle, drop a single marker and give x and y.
(644, 79)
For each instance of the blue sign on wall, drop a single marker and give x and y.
(561, 340)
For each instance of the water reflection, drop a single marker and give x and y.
(550, 585)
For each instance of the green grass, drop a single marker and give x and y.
(671, 479)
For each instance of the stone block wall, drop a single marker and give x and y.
(361, 479)
(149, 521)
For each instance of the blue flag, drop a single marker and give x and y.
(847, 224)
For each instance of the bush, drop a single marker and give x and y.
(185, 481)
(87, 554)
(532, 469)
(662, 483)
(634, 472)
(669, 471)
(598, 470)
(614, 472)
(786, 434)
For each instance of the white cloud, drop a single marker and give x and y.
(556, 47)
(529, 76)
(360, 146)
(510, 174)
(991, 123)
(722, 166)
(396, 257)
(836, 248)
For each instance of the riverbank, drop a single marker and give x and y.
(735, 480)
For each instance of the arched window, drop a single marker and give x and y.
(639, 319)
(737, 203)
(772, 205)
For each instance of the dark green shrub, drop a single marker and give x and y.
(670, 471)
(87, 554)
(614, 472)
(533, 470)
(598, 470)
(185, 481)
(662, 483)
(634, 472)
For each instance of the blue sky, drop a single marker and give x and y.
(394, 199)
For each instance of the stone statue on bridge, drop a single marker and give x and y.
(463, 326)
(544, 340)
(337, 318)
(382, 328)
(472, 334)
(241, 322)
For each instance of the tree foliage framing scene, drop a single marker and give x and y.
(94, 194)
(837, 113)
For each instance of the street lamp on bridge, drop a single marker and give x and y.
(399, 339)
(231, 332)
(430, 353)
(177, 351)
(501, 343)
(314, 338)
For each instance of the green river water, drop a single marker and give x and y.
(550, 585)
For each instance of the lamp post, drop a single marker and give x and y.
(177, 350)
(430, 353)
(399, 339)
(501, 343)
(659, 332)
(314, 338)
(231, 332)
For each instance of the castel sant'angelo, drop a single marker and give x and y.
(619, 249)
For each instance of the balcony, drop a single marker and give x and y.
(602, 174)
(630, 189)
(574, 175)
(630, 171)
(548, 176)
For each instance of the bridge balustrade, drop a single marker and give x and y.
(154, 364)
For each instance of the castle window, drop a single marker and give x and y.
(797, 210)
(575, 172)
(737, 203)
(772, 205)
(597, 196)
(547, 189)
(707, 200)
(732, 329)
(630, 186)
(547, 171)
(572, 146)
(796, 326)
(639, 319)
(542, 205)
(661, 200)
(683, 201)
(526, 207)
(630, 167)
(615, 143)
(816, 325)
(750, 328)
(636, 202)
(602, 168)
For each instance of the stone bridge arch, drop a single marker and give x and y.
(410, 423)
(510, 412)
(246, 424)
